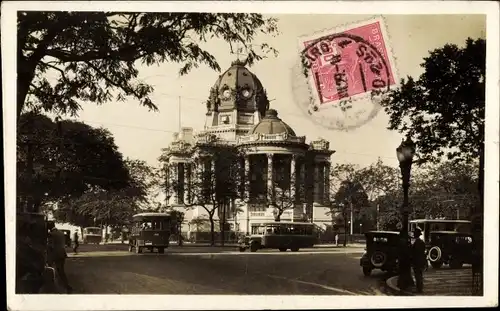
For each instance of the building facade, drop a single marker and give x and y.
(260, 168)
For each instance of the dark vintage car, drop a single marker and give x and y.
(381, 251)
(67, 236)
(449, 247)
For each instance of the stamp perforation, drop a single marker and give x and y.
(312, 107)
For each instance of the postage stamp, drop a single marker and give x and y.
(348, 66)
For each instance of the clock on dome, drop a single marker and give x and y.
(226, 94)
(246, 93)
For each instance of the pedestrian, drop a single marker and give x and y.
(75, 242)
(336, 239)
(56, 256)
(418, 259)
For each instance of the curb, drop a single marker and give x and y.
(393, 287)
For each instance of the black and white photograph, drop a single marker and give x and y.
(250, 155)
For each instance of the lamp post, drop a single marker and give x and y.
(405, 153)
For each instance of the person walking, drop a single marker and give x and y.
(56, 255)
(418, 259)
(76, 243)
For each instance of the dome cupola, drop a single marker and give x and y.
(238, 88)
(271, 124)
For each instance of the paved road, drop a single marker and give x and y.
(104, 269)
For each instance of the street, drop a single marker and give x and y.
(110, 269)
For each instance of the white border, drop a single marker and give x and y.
(155, 302)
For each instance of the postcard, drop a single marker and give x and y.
(250, 155)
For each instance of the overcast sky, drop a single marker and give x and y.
(140, 134)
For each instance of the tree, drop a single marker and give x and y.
(63, 159)
(438, 190)
(213, 183)
(111, 207)
(95, 54)
(378, 179)
(443, 111)
(348, 193)
(284, 197)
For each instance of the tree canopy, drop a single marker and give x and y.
(95, 55)
(443, 110)
(113, 207)
(63, 159)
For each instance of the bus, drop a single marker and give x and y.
(281, 236)
(151, 231)
(432, 225)
(92, 235)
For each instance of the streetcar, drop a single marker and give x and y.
(151, 231)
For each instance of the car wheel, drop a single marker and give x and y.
(282, 249)
(378, 259)
(367, 271)
(294, 249)
(161, 250)
(435, 254)
(455, 263)
(242, 249)
(436, 264)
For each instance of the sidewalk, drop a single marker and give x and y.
(439, 282)
(232, 244)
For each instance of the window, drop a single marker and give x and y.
(151, 225)
(380, 239)
(258, 229)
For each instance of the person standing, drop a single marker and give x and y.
(336, 239)
(419, 260)
(57, 254)
(76, 243)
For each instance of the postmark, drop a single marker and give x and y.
(342, 74)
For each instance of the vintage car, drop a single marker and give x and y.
(279, 235)
(449, 247)
(381, 251)
(67, 236)
(151, 231)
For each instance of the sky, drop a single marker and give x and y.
(140, 133)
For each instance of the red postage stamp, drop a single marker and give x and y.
(348, 63)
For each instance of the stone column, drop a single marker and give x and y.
(293, 179)
(327, 182)
(270, 179)
(213, 173)
(246, 179)
(187, 182)
(302, 180)
(316, 181)
(175, 181)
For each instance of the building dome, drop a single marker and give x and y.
(271, 124)
(238, 88)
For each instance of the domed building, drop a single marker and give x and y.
(247, 159)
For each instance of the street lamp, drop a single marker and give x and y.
(405, 153)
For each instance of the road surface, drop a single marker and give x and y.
(111, 269)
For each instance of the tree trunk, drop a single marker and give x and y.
(345, 231)
(212, 229)
(223, 227)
